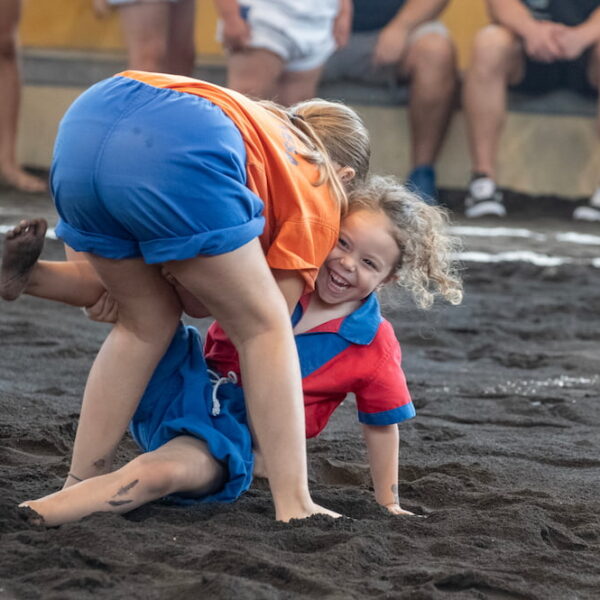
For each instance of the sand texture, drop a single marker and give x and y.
(503, 460)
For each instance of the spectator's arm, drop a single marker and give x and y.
(417, 12)
(236, 32)
(540, 38)
(513, 15)
(382, 449)
(574, 40)
(391, 44)
(343, 23)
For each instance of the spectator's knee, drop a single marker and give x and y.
(492, 49)
(436, 51)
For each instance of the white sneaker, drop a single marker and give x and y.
(484, 199)
(590, 211)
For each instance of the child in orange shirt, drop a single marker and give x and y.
(239, 202)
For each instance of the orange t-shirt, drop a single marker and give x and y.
(301, 219)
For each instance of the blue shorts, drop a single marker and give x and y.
(151, 172)
(178, 401)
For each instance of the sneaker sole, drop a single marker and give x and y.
(485, 209)
(586, 213)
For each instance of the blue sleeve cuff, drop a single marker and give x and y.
(388, 417)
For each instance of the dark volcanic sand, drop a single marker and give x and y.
(503, 458)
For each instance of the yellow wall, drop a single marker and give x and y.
(72, 24)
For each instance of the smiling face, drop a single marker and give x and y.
(365, 256)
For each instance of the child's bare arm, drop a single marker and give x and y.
(382, 448)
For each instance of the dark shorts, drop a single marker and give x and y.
(151, 172)
(541, 78)
(178, 401)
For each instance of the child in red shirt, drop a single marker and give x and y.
(344, 345)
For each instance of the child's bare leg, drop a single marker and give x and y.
(22, 248)
(74, 282)
(183, 464)
(148, 314)
(240, 292)
(71, 282)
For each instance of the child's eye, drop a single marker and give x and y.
(342, 242)
(369, 263)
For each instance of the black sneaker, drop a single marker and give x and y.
(590, 211)
(484, 199)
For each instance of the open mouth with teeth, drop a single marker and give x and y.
(337, 283)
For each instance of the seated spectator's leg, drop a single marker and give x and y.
(591, 211)
(594, 77)
(145, 28)
(254, 72)
(430, 66)
(497, 62)
(296, 86)
(181, 50)
(10, 171)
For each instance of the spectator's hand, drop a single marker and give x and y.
(541, 42)
(343, 24)
(571, 42)
(101, 8)
(390, 46)
(104, 311)
(236, 33)
(396, 509)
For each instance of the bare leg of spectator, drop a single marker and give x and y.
(591, 210)
(10, 97)
(296, 86)
(181, 51)
(146, 31)
(254, 72)
(497, 61)
(430, 66)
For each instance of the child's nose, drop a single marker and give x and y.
(347, 263)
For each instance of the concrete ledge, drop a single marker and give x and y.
(551, 153)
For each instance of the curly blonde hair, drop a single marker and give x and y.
(426, 268)
(331, 133)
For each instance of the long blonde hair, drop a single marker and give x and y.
(331, 132)
(426, 267)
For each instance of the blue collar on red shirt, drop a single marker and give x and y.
(359, 327)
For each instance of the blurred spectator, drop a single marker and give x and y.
(159, 34)
(396, 41)
(533, 46)
(11, 172)
(277, 48)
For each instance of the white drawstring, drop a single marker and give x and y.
(217, 381)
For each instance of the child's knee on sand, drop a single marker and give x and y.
(183, 465)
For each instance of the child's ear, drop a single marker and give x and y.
(346, 174)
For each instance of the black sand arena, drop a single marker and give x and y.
(503, 461)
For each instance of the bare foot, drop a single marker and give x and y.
(22, 247)
(30, 516)
(19, 179)
(310, 511)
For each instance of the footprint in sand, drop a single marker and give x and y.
(22, 247)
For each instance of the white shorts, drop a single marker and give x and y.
(299, 33)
